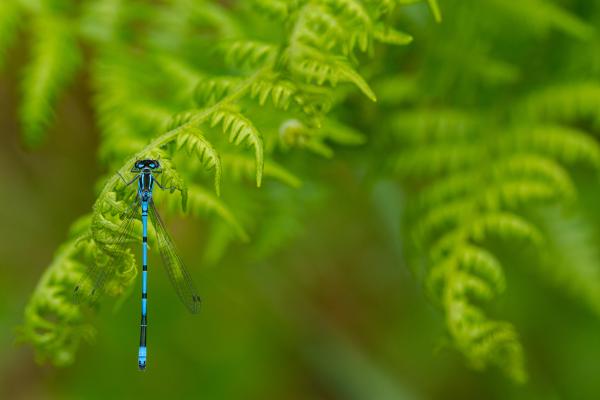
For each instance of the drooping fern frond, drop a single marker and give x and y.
(195, 143)
(241, 130)
(481, 153)
(481, 187)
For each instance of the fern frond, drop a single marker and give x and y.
(240, 130)
(192, 139)
(56, 57)
(53, 322)
(471, 273)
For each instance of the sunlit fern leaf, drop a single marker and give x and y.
(10, 18)
(193, 141)
(313, 66)
(55, 58)
(240, 130)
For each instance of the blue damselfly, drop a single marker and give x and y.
(99, 274)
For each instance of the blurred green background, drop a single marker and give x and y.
(337, 311)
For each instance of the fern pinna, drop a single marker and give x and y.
(220, 119)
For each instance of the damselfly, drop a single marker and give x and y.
(99, 274)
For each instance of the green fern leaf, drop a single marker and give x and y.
(56, 57)
(192, 139)
(241, 130)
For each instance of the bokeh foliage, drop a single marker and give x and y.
(474, 148)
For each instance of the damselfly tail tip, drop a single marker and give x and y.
(142, 359)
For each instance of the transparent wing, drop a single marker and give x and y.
(98, 274)
(178, 274)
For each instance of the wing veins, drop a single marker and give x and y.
(178, 274)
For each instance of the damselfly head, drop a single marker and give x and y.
(145, 166)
